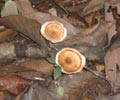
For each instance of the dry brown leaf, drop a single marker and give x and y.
(74, 86)
(28, 27)
(43, 6)
(118, 28)
(75, 20)
(118, 8)
(112, 63)
(108, 14)
(112, 2)
(32, 75)
(44, 17)
(92, 39)
(14, 84)
(94, 5)
(100, 68)
(111, 33)
(113, 97)
(6, 33)
(12, 69)
(73, 5)
(89, 19)
(38, 69)
(20, 96)
(41, 66)
(24, 7)
(109, 17)
(90, 30)
(78, 8)
(5, 95)
(86, 98)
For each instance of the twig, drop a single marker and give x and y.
(98, 74)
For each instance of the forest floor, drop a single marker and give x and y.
(59, 50)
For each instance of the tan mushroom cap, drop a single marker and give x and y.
(70, 60)
(53, 31)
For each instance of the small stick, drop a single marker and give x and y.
(101, 75)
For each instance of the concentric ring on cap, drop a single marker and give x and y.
(70, 60)
(54, 31)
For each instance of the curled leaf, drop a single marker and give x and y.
(112, 62)
(6, 33)
(39, 65)
(112, 31)
(28, 27)
(14, 84)
(93, 6)
(27, 10)
(74, 87)
(90, 39)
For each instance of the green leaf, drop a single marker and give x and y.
(60, 90)
(57, 72)
(51, 60)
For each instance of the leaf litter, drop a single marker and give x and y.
(92, 25)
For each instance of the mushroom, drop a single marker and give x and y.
(70, 60)
(54, 31)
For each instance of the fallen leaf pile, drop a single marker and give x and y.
(26, 70)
